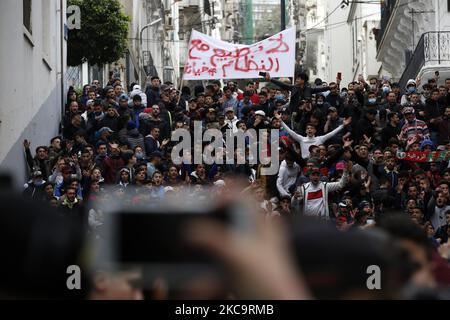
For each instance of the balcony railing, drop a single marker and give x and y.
(387, 8)
(432, 49)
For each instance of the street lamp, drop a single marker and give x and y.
(147, 26)
(151, 24)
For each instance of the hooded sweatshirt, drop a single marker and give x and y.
(287, 177)
(137, 91)
(134, 138)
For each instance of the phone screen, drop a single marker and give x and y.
(154, 239)
(159, 237)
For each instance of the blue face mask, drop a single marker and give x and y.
(279, 97)
(139, 155)
(326, 93)
(386, 89)
(372, 101)
(412, 89)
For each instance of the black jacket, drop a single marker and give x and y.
(363, 127)
(389, 132)
(298, 93)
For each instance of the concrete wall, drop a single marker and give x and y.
(30, 82)
(362, 18)
(443, 16)
(338, 45)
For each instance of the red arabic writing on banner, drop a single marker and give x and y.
(239, 59)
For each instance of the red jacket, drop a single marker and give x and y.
(254, 98)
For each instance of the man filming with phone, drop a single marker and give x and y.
(301, 90)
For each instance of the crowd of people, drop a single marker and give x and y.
(348, 154)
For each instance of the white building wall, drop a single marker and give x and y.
(430, 16)
(338, 44)
(362, 19)
(315, 38)
(31, 83)
(443, 14)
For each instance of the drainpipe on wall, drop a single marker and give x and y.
(62, 60)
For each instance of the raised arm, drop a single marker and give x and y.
(282, 85)
(336, 186)
(292, 133)
(331, 134)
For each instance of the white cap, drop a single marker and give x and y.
(411, 81)
(168, 188)
(260, 113)
(219, 183)
(136, 87)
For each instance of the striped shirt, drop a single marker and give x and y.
(415, 128)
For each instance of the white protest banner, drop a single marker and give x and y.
(209, 58)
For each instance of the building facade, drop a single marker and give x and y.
(338, 45)
(363, 19)
(413, 39)
(33, 60)
(315, 51)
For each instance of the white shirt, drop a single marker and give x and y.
(306, 142)
(287, 177)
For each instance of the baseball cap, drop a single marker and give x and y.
(260, 113)
(331, 109)
(168, 189)
(123, 96)
(165, 87)
(340, 166)
(343, 205)
(229, 109)
(211, 110)
(363, 204)
(36, 174)
(315, 170)
(411, 82)
(408, 110)
(426, 143)
(105, 129)
(220, 183)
